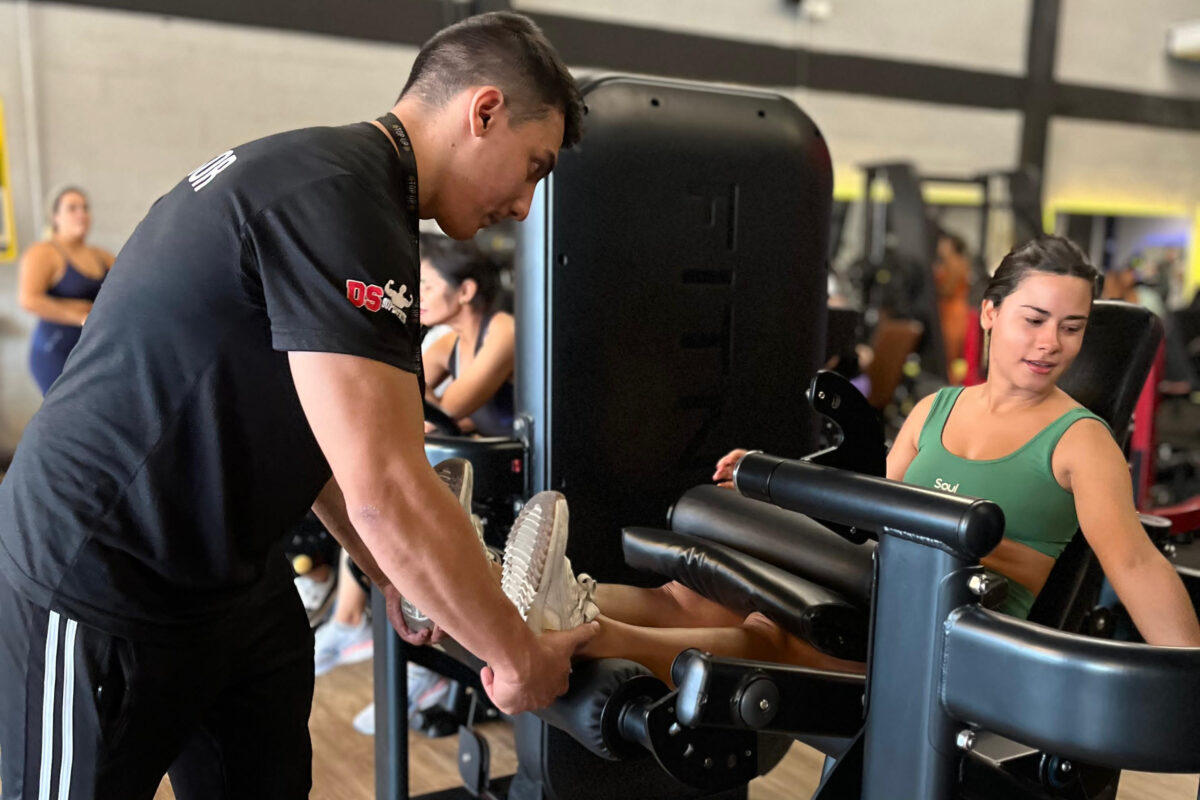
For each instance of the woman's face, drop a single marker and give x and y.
(440, 302)
(72, 218)
(1038, 329)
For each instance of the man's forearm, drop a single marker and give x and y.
(330, 508)
(425, 545)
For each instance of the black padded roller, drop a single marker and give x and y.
(590, 710)
(783, 538)
(744, 584)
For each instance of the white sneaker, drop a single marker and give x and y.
(364, 721)
(336, 643)
(425, 690)
(317, 596)
(459, 477)
(537, 574)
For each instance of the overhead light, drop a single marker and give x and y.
(1183, 40)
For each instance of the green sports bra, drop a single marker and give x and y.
(1038, 512)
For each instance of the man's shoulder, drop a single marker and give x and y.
(322, 137)
(282, 168)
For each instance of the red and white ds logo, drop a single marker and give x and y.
(363, 296)
(373, 298)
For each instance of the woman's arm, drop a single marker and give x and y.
(1144, 580)
(38, 271)
(106, 258)
(437, 363)
(904, 449)
(493, 365)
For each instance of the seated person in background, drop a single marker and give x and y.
(1124, 283)
(58, 281)
(1016, 439)
(952, 279)
(459, 288)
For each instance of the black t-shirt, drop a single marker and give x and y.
(172, 454)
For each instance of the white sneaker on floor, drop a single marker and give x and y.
(336, 643)
(459, 477)
(316, 595)
(426, 689)
(537, 574)
(364, 721)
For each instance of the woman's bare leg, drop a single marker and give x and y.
(671, 605)
(351, 599)
(755, 638)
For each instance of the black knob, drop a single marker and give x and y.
(757, 703)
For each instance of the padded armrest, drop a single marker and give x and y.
(740, 582)
(1184, 517)
(1158, 528)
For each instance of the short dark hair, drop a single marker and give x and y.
(1052, 255)
(56, 201)
(505, 50)
(460, 261)
(956, 241)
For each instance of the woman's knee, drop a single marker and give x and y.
(695, 608)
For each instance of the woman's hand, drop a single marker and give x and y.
(723, 476)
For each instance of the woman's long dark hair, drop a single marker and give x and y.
(1047, 254)
(459, 261)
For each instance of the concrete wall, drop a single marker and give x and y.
(1128, 165)
(18, 394)
(1118, 44)
(986, 36)
(125, 104)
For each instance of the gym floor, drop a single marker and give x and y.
(343, 760)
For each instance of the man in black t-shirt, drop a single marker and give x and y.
(255, 352)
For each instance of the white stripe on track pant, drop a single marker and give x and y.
(58, 739)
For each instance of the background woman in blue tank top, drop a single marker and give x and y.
(59, 279)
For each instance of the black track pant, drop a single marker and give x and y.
(85, 714)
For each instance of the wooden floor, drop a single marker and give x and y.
(343, 759)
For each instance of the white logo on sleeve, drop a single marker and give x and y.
(398, 302)
(204, 175)
(373, 297)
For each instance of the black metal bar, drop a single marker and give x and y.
(391, 706)
(772, 698)
(963, 526)
(910, 739)
(1108, 703)
(1039, 94)
(1134, 108)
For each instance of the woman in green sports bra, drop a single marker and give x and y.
(1051, 465)
(1022, 442)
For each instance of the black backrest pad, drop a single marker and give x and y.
(671, 295)
(1118, 351)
